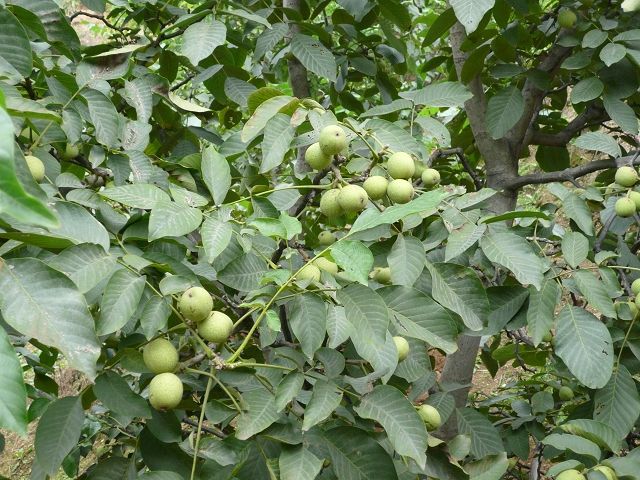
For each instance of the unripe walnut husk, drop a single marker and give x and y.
(216, 327)
(376, 187)
(626, 176)
(400, 191)
(570, 474)
(36, 167)
(316, 158)
(326, 238)
(329, 204)
(165, 391)
(402, 346)
(333, 140)
(430, 177)
(353, 198)
(195, 304)
(430, 416)
(160, 356)
(401, 165)
(625, 207)
(309, 272)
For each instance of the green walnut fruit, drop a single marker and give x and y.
(381, 274)
(216, 327)
(626, 176)
(401, 165)
(547, 337)
(430, 177)
(635, 286)
(565, 393)
(633, 309)
(402, 346)
(329, 204)
(71, 151)
(567, 18)
(36, 167)
(625, 207)
(333, 140)
(635, 196)
(309, 272)
(570, 474)
(195, 304)
(316, 158)
(376, 187)
(326, 238)
(430, 416)
(400, 191)
(165, 391)
(419, 169)
(630, 5)
(327, 265)
(606, 471)
(353, 198)
(160, 356)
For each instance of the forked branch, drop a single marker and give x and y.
(570, 174)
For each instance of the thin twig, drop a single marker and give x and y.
(458, 152)
(196, 445)
(298, 208)
(97, 16)
(182, 82)
(603, 233)
(521, 362)
(212, 430)
(28, 86)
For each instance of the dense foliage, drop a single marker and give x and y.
(270, 237)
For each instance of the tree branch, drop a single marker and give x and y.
(97, 16)
(592, 113)
(533, 98)
(212, 430)
(458, 152)
(186, 80)
(298, 207)
(570, 174)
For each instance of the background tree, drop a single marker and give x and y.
(227, 217)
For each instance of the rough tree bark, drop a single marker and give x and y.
(501, 166)
(297, 78)
(297, 72)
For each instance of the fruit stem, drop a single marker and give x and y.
(36, 142)
(208, 352)
(243, 317)
(361, 137)
(267, 192)
(232, 366)
(624, 340)
(218, 382)
(196, 447)
(271, 301)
